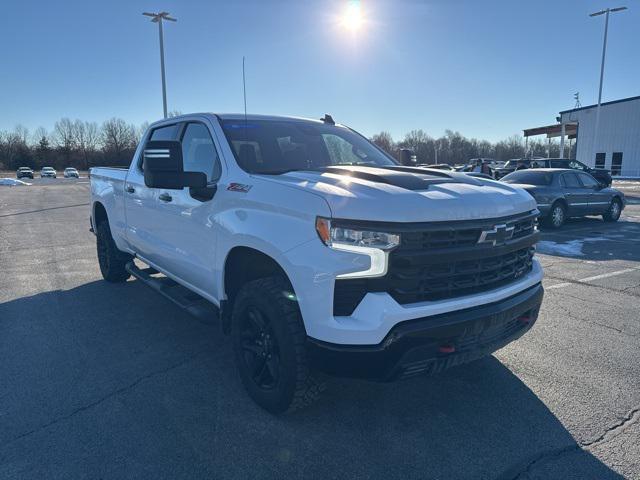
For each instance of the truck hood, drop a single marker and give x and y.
(408, 194)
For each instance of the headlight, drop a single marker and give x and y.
(334, 236)
(366, 242)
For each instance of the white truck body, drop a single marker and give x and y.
(190, 240)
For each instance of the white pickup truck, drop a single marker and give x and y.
(317, 251)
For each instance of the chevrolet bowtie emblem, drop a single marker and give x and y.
(498, 235)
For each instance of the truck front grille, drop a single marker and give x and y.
(436, 264)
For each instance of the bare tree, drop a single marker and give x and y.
(141, 130)
(385, 141)
(118, 139)
(22, 134)
(64, 136)
(38, 135)
(85, 137)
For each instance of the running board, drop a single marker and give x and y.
(190, 302)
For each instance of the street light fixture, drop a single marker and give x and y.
(604, 51)
(157, 18)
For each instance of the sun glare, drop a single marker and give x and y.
(352, 18)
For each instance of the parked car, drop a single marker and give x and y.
(564, 193)
(24, 172)
(319, 258)
(515, 164)
(71, 172)
(475, 164)
(48, 172)
(602, 175)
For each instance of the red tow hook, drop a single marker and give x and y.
(524, 319)
(446, 349)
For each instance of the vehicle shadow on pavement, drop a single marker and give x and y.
(592, 239)
(113, 381)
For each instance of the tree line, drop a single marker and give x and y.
(454, 148)
(82, 144)
(72, 143)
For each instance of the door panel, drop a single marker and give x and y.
(577, 196)
(599, 199)
(141, 206)
(187, 229)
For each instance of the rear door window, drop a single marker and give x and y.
(570, 180)
(587, 180)
(199, 153)
(164, 133)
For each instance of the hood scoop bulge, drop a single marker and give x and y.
(409, 178)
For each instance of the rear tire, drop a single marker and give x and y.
(557, 215)
(269, 344)
(111, 260)
(613, 212)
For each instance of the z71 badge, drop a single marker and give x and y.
(239, 187)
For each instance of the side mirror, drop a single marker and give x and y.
(407, 157)
(163, 167)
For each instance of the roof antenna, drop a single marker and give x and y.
(328, 119)
(244, 92)
(246, 126)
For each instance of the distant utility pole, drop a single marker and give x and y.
(604, 51)
(157, 18)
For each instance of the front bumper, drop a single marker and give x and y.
(432, 344)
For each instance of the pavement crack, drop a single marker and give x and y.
(530, 465)
(629, 419)
(569, 314)
(106, 397)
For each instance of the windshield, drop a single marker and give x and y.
(528, 177)
(278, 146)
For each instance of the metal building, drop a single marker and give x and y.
(617, 143)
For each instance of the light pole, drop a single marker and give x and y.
(157, 18)
(604, 51)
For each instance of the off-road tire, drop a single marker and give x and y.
(111, 260)
(296, 386)
(613, 212)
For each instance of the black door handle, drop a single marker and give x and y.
(165, 197)
(130, 189)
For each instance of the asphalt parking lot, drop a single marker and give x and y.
(107, 381)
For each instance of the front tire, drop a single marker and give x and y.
(269, 344)
(557, 215)
(613, 212)
(111, 260)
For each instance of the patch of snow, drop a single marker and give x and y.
(572, 248)
(12, 182)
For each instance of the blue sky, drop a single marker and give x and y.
(485, 68)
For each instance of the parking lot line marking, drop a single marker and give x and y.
(610, 274)
(595, 277)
